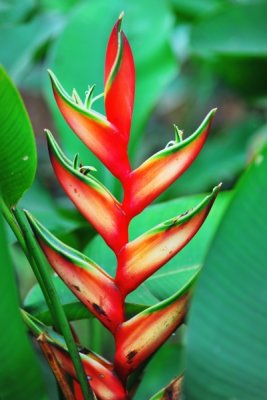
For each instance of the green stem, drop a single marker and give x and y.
(58, 310)
(9, 217)
(13, 225)
(29, 321)
(35, 270)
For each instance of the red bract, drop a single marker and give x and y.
(119, 81)
(103, 379)
(107, 137)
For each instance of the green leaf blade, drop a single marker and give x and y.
(227, 346)
(17, 146)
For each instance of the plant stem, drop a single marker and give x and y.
(29, 321)
(54, 300)
(36, 272)
(9, 217)
(13, 225)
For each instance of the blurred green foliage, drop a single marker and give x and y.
(190, 56)
(227, 344)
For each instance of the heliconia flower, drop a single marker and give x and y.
(158, 172)
(139, 337)
(171, 391)
(91, 284)
(143, 256)
(96, 132)
(119, 81)
(91, 198)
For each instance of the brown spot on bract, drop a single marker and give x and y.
(50, 356)
(76, 288)
(83, 350)
(168, 394)
(99, 309)
(130, 356)
(173, 390)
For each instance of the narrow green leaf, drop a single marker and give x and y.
(17, 145)
(20, 377)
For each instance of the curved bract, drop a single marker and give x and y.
(139, 337)
(95, 131)
(119, 80)
(91, 284)
(90, 197)
(145, 255)
(158, 172)
(107, 137)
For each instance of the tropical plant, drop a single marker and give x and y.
(137, 335)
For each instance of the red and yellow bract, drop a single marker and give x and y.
(107, 137)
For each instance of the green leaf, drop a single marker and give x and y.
(17, 145)
(235, 40)
(14, 10)
(241, 37)
(25, 40)
(19, 371)
(227, 342)
(59, 5)
(162, 284)
(155, 62)
(35, 303)
(194, 9)
(60, 219)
